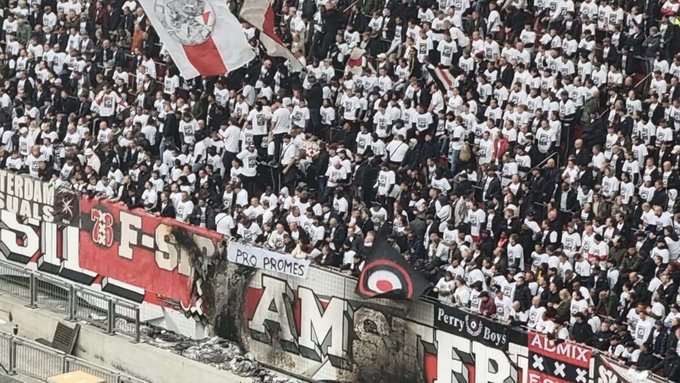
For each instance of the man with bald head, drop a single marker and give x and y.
(580, 155)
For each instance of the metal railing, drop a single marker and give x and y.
(77, 303)
(25, 357)
(13, 281)
(126, 319)
(51, 293)
(30, 360)
(5, 354)
(92, 307)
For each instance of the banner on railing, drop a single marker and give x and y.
(32, 198)
(609, 372)
(557, 361)
(257, 257)
(456, 321)
(141, 254)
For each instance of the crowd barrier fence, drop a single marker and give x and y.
(76, 303)
(20, 356)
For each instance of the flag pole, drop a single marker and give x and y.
(350, 6)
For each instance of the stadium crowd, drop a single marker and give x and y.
(522, 155)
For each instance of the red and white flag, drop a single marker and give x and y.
(442, 76)
(202, 36)
(260, 14)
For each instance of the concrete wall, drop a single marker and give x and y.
(114, 351)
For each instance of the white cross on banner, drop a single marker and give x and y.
(581, 375)
(538, 362)
(559, 369)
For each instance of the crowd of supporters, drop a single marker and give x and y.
(522, 154)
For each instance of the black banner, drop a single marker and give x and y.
(456, 321)
(67, 207)
(387, 275)
(607, 371)
(32, 198)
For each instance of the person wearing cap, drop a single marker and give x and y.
(26, 141)
(92, 160)
(376, 213)
(616, 347)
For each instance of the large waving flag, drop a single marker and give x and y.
(386, 274)
(260, 14)
(202, 36)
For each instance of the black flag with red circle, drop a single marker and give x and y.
(386, 274)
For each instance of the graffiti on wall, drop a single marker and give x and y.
(323, 336)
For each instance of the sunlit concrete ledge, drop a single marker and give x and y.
(114, 351)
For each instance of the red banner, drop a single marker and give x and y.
(556, 360)
(141, 253)
(571, 352)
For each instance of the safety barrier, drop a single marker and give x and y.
(126, 319)
(32, 360)
(94, 308)
(51, 293)
(74, 302)
(15, 281)
(4, 355)
(25, 357)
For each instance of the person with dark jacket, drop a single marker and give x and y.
(314, 99)
(522, 293)
(337, 234)
(651, 44)
(670, 366)
(328, 257)
(602, 339)
(203, 215)
(646, 360)
(414, 245)
(491, 186)
(581, 331)
(657, 342)
(166, 208)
